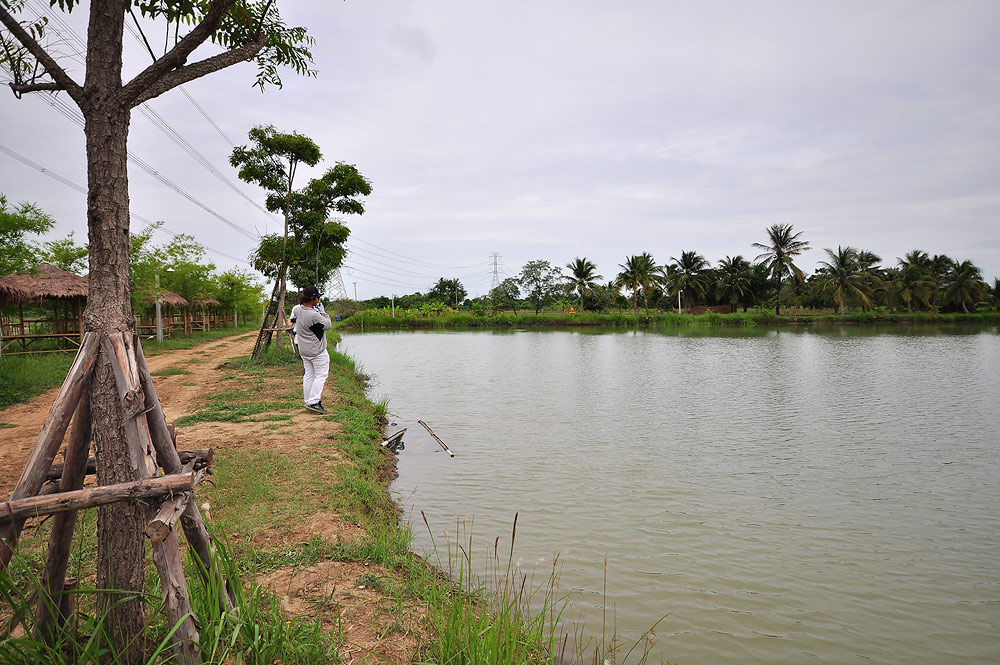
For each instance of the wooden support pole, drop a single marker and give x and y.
(90, 497)
(163, 522)
(201, 456)
(49, 439)
(61, 537)
(164, 442)
(167, 559)
(431, 432)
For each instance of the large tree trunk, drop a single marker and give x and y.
(121, 548)
(777, 299)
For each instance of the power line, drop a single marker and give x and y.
(72, 185)
(407, 259)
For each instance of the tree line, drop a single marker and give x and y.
(180, 264)
(848, 278)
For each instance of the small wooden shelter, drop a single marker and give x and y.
(174, 315)
(210, 315)
(66, 292)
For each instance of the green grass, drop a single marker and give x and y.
(7, 425)
(171, 371)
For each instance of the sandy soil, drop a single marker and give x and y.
(374, 627)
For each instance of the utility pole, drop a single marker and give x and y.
(355, 291)
(393, 305)
(159, 319)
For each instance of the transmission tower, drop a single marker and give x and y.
(496, 270)
(337, 289)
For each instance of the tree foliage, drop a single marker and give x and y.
(541, 282)
(777, 256)
(583, 277)
(17, 222)
(447, 291)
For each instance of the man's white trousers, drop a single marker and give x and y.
(316, 370)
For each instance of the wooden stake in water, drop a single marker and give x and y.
(431, 432)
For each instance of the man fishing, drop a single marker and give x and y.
(311, 324)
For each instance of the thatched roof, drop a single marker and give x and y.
(172, 299)
(12, 292)
(48, 282)
(206, 302)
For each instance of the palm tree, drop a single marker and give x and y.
(687, 276)
(583, 278)
(638, 273)
(910, 284)
(734, 281)
(915, 257)
(962, 284)
(994, 295)
(784, 246)
(844, 276)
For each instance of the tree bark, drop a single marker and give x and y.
(121, 546)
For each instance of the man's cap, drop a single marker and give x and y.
(310, 292)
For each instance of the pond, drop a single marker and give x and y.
(782, 496)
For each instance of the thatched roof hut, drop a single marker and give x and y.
(206, 302)
(48, 282)
(172, 299)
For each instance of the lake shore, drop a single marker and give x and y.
(302, 501)
(383, 321)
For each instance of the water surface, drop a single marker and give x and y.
(787, 496)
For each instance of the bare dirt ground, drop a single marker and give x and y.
(373, 625)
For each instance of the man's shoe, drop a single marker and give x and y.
(317, 407)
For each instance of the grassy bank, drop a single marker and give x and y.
(312, 532)
(25, 375)
(381, 321)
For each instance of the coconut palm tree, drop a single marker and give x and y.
(638, 273)
(915, 257)
(583, 277)
(785, 245)
(962, 285)
(843, 276)
(687, 276)
(735, 280)
(994, 294)
(910, 284)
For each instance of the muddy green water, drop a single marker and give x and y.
(783, 496)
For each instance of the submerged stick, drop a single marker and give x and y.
(431, 432)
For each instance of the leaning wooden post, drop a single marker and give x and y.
(166, 452)
(177, 603)
(49, 439)
(63, 525)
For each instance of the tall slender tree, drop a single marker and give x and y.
(583, 276)
(910, 284)
(784, 246)
(241, 31)
(272, 163)
(687, 276)
(639, 274)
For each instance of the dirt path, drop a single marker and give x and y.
(180, 394)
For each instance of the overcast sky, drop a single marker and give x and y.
(556, 129)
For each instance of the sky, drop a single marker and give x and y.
(569, 128)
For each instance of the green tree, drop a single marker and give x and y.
(583, 277)
(188, 277)
(687, 276)
(16, 222)
(541, 283)
(241, 32)
(785, 245)
(735, 281)
(272, 163)
(506, 292)
(319, 249)
(994, 295)
(447, 291)
(237, 291)
(909, 285)
(962, 285)
(66, 254)
(843, 277)
(639, 273)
